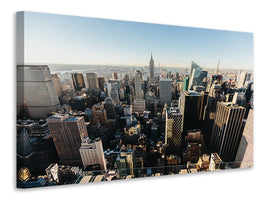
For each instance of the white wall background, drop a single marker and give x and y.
(239, 15)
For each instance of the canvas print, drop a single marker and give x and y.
(101, 100)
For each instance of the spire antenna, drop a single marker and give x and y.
(218, 66)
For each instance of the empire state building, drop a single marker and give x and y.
(151, 70)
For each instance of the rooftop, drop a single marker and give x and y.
(58, 116)
(167, 80)
(231, 105)
(78, 98)
(173, 111)
(72, 119)
(191, 93)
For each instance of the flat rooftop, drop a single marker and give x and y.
(56, 117)
(231, 105)
(191, 93)
(71, 119)
(168, 80)
(173, 111)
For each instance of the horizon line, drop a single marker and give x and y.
(140, 65)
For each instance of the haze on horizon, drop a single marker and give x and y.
(62, 39)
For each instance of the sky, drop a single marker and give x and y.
(62, 39)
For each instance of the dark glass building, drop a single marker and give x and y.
(190, 109)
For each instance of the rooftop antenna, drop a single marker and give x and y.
(218, 66)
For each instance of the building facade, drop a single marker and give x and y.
(174, 127)
(101, 81)
(195, 77)
(92, 153)
(165, 91)
(57, 84)
(245, 150)
(227, 130)
(151, 70)
(186, 84)
(99, 114)
(92, 81)
(78, 81)
(67, 133)
(109, 107)
(190, 109)
(139, 93)
(114, 94)
(115, 76)
(139, 105)
(36, 90)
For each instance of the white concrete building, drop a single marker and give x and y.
(92, 153)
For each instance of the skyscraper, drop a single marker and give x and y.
(57, 84)
(92, 152)
(204, 99)
(109, 107)
(145, 76)
(174, 127)
(194, 142)
(245, 150)
(99, 114)
(197, 75)
(129, 161)
(227, 130)
(165, 91)
(139, 105)
(78, 81)
(190, 109)
(115, 76)
(186, 84)
(36, 90)
(101, 81)
(92, 81)
(122, 94)
(242, 78)
(127, 110)
(67, 133)
(126, 79)
(115, 84)
(114, 94)
(139, 93)
(193, 66)
(124, 163)
(107, 89)
(151, 70)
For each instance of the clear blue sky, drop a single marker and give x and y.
(62, 39)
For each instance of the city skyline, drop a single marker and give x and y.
(61, 39)
(91, 123)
